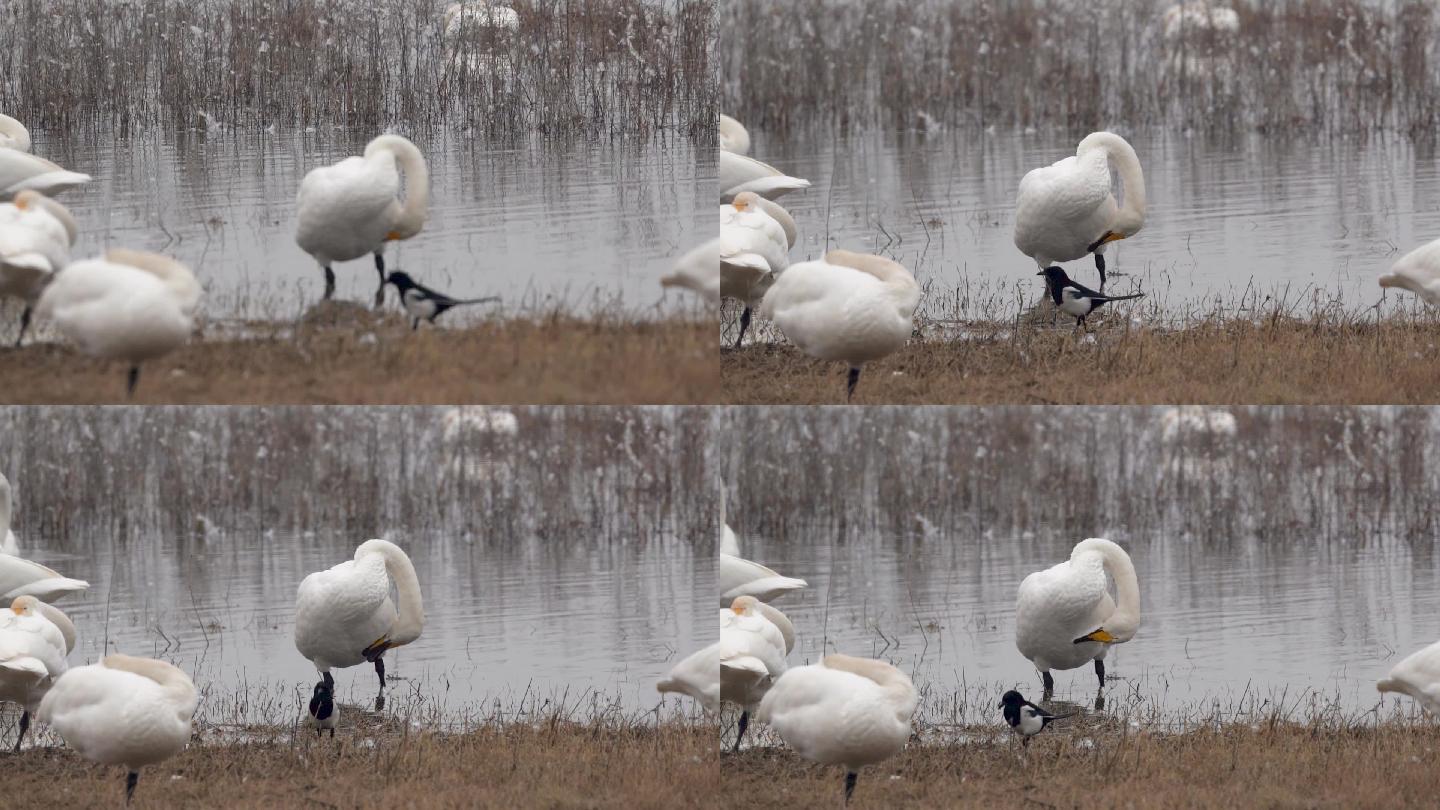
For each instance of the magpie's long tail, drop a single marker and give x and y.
(1120, 297)
(475, 301)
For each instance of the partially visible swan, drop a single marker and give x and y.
(20, 171)
(739, 173)
(13, 134)
(1080, 204)
(843, 711)
(36, 234)
(8, 544)
(129, 305)
(697, 675)
(733, 136)
(124, 710)
(756, 235)
(352, 208)
(21, 577)
(1418, 676)
(1419, 272)
(344, 615)
(1065, 617)
(698, 270)
(729, 543)
(1196, 17)
(476, 14)
(754, 640)
(1190, 421)
(741, 577)
(35, 638)
(848, 307)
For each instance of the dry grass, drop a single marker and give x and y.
(1270, 361)
(559, 765)
(1278, 765)
(520, 361)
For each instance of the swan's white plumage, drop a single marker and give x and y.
(34, 641)
(843, 711)
(128, 305)
(1069, 600)
(21, 577)
(739, 173)
(36, 233)
(1417, 675)
(847, 306)
(21, 171)
(729, 543)
(122, 711)
(8, 544)
(1419, 272)
(696, 675)
(1064, 208)
(1189, 421)
(343, 610)
(352, 208)
(1196, 17)
(741, 577)
(753, 245)
(698, 270)
(13, 134)
(733, 136)
(752, 650)
(475, 15)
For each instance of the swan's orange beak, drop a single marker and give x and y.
(740, 205)
(1110, 236)
(18, 605)
(1100, 635)
(395, 235)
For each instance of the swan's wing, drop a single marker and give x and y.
(1417, 675)
(741, 577)
(697, 675)
(21, 577)
(698, 270)
(345, 208)
(771, 188)
(20, 171)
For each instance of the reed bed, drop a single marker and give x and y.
(573, 67)
(1325, 66)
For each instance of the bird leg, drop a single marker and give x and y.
(332, 732)
(329, 281)
(1049, 684)
(850, 383)
(744, 324)
(380, 268)
(24, 724)
(850, 778)
(1100, 671)
(1100, 265)
(744, 724)
(131, 779)
(329, 681)
(132, 379)
(380, 671)
(24, 324)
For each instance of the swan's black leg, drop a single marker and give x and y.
(1100, 671)
(332, 732)
(131, 779)
(329, 681)
(380, 268)
(329, 281)
(380, 671)
(132, 379)
(744, 724)
(744, 324)
(1100, 265)
(24, 725)
(24, 324)
(1049, 684)
(850, 778)
(850, 383)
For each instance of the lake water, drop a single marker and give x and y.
(914, 531)
(578, 225)
(556, 563)
(1282, 217)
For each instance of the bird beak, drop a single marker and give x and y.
(392, 236)
(1041, 273)
(1110, 236)
(1099, 635)
(739, 205)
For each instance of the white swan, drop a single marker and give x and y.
(843, 711)
(344, 615)
(1418, 676)
(21, 171)
(756, 235)
(35, 638)
(1196, 17)
(739, 173)
(463, 17)
(733, 136)
(698, 270)
(21, 577)
(849, 307)
(13, 134)
(352, 208)
(729, 542)
(754, 640)
(1075, 206)
(740, 577)
(124, 710)
(697, 675)
(129, 305)
(1191, 421)
(36, 234)
(1419, 272)
(8, 544)
(1064, 615)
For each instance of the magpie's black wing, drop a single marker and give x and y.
(1085, 291)
(1039, 711)
(441, 299)
(315, 706)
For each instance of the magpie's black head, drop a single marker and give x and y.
(401, 280)
(1054, 273)
(1011, 698)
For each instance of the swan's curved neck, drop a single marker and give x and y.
(1123, 623)
(417, 182)
(780, 620)
(4, 506)
(890, 679)
(176, 276)
(890, 272)
(60, 212)
(411, 605)
(173, 681)
(60, 620)
(15, 131)
(778, 213)
(1131, 214)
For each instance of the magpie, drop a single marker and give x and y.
(322, 709)
(423, 303)
(1024, 717)
(1076, 299)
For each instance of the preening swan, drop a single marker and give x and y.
(20, 171)
(352, 208)
(739, 173)
(344, 615)
(8, 544)
(843, 711)
(1418, 676)
(733, 136)
(754, 640)
(124, 710)
(461, 18)
(34, 640)
(697, 675)
(1419, 272)
(129, 305)
(740, 577)
(1075, 206)
(13, 134)
(849, 307)
(1195, 18)
(21, 577)
(1065, 617)
(698, 270)
(756, 235)
(36, 234)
